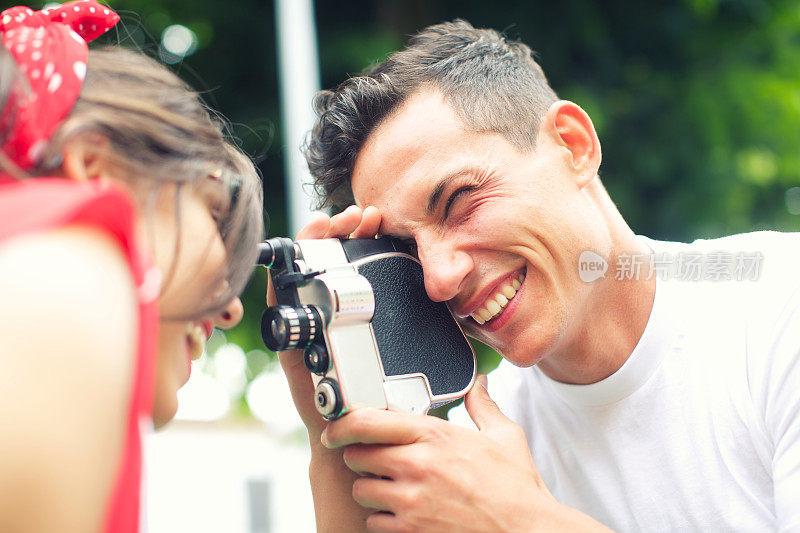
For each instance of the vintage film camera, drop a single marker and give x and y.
(371, 335)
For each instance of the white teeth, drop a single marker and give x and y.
(509, 291)
(494, 305)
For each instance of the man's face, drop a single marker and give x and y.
(484, 214)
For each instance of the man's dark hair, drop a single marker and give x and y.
(492, 83)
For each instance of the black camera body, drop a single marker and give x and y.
(371, 335)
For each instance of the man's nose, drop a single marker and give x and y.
(445, 268)
(231, 315)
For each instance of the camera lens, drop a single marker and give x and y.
(278, 328)
(328, 399)
(284, 327)
(316, 358)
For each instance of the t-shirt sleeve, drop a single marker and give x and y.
(783, 421)
(775, 385)
(773, 363)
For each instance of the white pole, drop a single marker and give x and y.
(299, 82)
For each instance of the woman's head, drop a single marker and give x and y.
(150, 130)
(115, 115)
(137, 124)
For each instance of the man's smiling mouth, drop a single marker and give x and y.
(494, 305)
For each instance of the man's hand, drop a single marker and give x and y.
(351, 222)
(331, 480)
(424, 474)
(412, 472)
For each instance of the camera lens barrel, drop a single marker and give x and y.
(266, 254)
(284, 327)
(328, 399)
(276, 252)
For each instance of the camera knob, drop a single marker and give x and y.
(328, 399)
(284, 327)
(316, 358)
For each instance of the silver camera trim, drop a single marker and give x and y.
(346, 303)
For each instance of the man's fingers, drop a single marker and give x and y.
(481, 408)
(373, 426)
(317, 228)
(352, 222)
(375, 493)
(383, 522)
(375, 459)
(344, 223)
(370, 224)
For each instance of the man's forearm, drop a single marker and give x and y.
(332, 487)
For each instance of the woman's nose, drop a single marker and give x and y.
(231, 315)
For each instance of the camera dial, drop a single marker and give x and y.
(284, 327)
(328, 399)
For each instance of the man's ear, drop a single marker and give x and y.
(571, 128)
(84, 159)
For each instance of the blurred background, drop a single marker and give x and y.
(696, 103)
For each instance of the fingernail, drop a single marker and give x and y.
(324, 438)
(481, 378)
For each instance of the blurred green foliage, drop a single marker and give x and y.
(696, 102)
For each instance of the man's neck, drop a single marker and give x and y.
(607, 329)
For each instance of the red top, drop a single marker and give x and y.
(44, 204)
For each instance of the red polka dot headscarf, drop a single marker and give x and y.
(50, 49)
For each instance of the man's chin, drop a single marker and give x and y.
(524, 361)
(516, 350)
(521, 350)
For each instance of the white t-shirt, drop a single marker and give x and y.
(700, 429)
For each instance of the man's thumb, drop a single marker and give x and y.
(481, 408)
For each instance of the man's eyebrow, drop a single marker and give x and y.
(438, 191)
(436, 195)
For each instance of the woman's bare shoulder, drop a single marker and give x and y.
(68, 336)
(73, 280)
